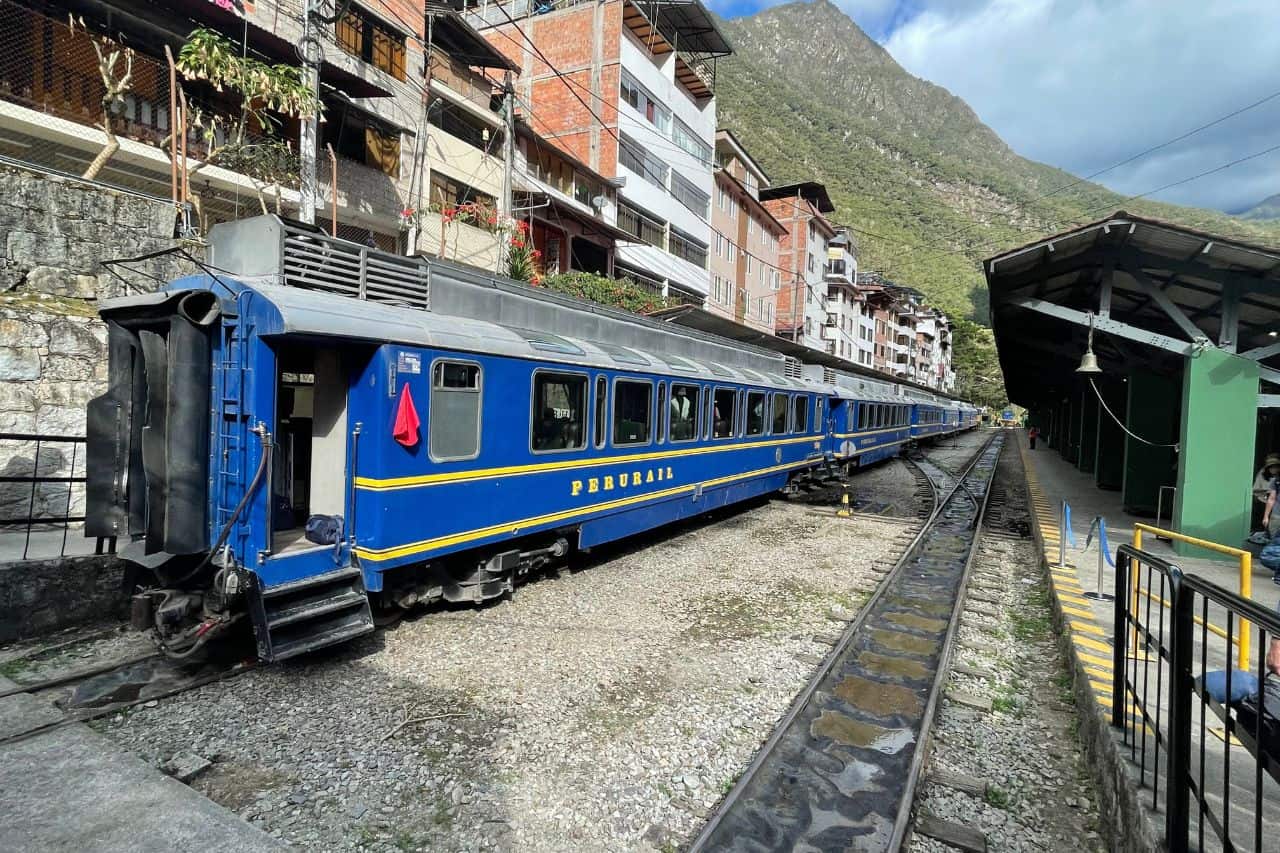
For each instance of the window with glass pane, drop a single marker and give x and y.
(801, 412)
(601, 393)
(818, 422)
(755, 413)
(662, 407)
(453, 425)
(725, 404)
(632, 412)
(781, 402)
(559, 411)
(684, 411)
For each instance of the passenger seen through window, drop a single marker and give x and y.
(684, 411)
(559, 411)
(725, 413)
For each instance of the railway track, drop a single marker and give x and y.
(840, 770)
(94, 691)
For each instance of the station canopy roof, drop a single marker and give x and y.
(1156, 291)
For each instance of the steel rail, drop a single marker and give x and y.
(737, 796)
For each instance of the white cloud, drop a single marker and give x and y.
(1082, 84)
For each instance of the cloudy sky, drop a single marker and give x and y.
(1083, 84)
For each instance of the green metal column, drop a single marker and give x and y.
(1088, 431)
(1153, 415)
(1219, 428)
(1108, 468)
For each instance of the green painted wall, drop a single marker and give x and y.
(1109, 458)
(1153, 415)
(1088, 430)
(1219, 426)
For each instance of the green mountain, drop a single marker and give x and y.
(929, 188)
(1268, 208)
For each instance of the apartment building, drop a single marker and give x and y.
(745, 272)
(844, 327)
(801, 309)
(390, 171)
(571, 209)
(629, 90)
(933, 350)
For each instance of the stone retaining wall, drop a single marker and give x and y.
(54, 234)
(39, 596)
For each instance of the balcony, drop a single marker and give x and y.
(473, 88)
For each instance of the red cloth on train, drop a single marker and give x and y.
(407, 422)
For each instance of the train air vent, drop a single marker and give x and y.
(829, 375)
(791, 368)
(316, 261)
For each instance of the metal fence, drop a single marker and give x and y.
(42, 491)
(1198, 729)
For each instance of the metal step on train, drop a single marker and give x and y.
(294, 618)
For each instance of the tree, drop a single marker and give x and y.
(266, 92)
(115, 65)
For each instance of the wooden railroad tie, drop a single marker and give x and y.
(949, 832)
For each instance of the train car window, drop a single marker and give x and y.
(684, 411)
(632, 411)
(724, 412)
(819, 423)
(662, 412)
(800, 415)
(862, 416)
(602, 393)
(755, 413)
(453, 425)
(781, 402)
(559, 411)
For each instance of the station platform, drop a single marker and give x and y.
(1089, 627)
(64, 787)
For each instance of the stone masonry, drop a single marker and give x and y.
(54, 234)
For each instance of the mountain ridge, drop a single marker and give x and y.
(928, 187)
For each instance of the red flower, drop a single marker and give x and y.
(536, 254)
(517, 243)
(522, 226)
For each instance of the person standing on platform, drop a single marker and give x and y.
(1262, 481)
(1032, 435)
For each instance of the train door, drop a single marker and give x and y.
(309, 474)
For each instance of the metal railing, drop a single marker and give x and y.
(1187, 714)
(42, 490)
(1244, 558)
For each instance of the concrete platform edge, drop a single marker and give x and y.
(1127, 824)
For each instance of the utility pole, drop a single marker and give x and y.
(307, 135)
(507, 208)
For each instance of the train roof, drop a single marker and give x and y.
(281, 310)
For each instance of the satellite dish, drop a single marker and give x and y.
(599, 202)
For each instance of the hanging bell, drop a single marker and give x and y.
(1089, 361)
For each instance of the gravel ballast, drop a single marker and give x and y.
(607, 708)
(1038, 794)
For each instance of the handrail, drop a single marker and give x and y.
(1244, 557)
(1154, 699)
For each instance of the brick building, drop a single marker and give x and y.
(801, 310)
(627, 89)
(745, 275)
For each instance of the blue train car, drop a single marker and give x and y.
(447, 456)
(291, 441)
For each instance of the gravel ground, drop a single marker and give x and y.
(1039, 796)
(603, 709)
